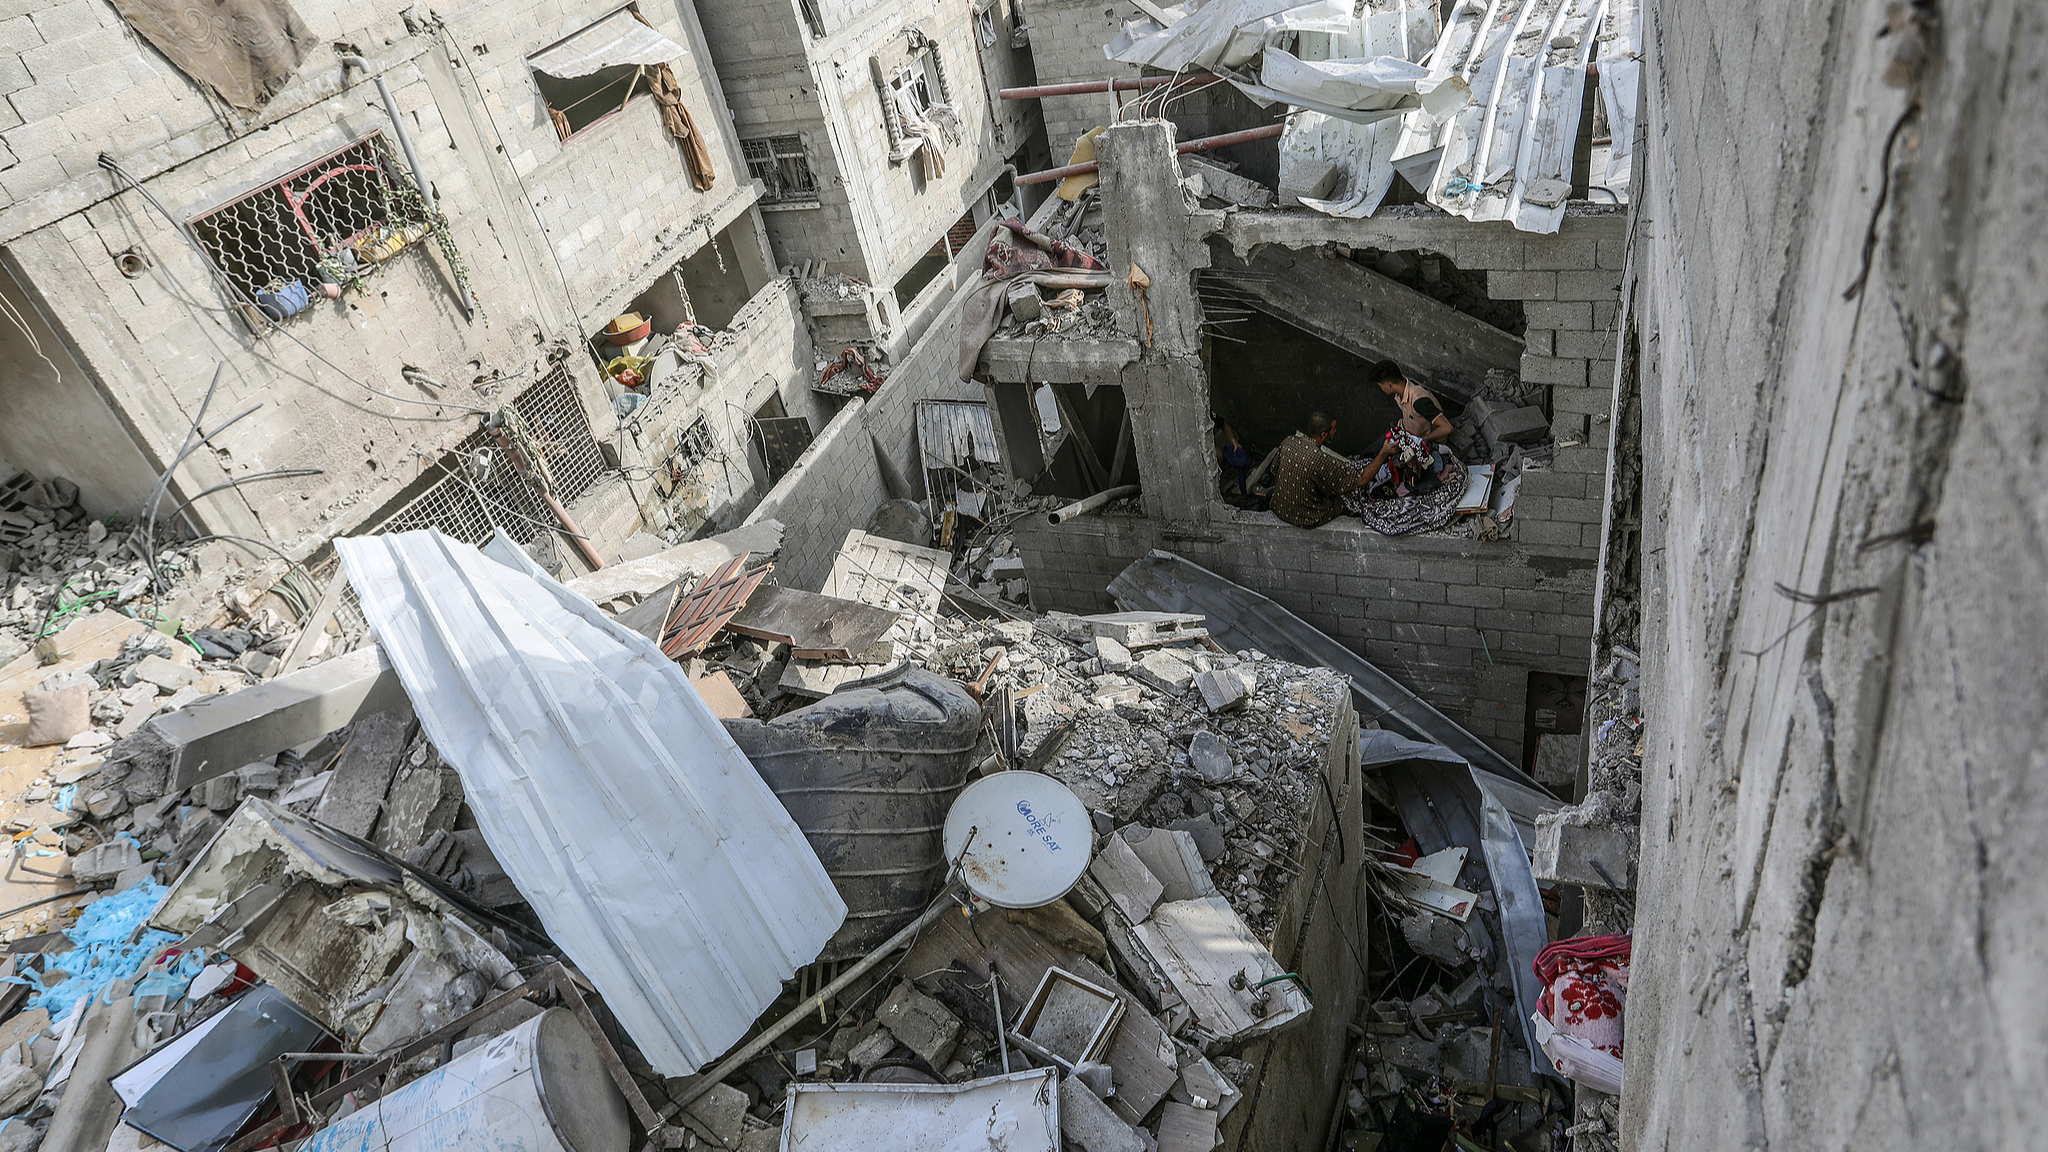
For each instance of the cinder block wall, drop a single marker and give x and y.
(839, 482)
(1066, 46)
(1460, 622)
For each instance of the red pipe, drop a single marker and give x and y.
(1202, 145)
(1086, 87)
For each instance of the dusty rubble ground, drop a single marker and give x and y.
(1223, 750)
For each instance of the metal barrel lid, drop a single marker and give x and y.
(1022, 839)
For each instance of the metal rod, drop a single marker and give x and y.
(1203, 145)
(1087, 87)
(412, 159)
(796, 1015)
(1083, 507)
(995, 991)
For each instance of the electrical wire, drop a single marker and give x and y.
(20, 322)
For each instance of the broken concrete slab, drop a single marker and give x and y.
(105, 861)
(363, 775)
(168, 675)
(1526, 425)
(875, 1047)
(1146, 629)
(1089, 1123)
(1213, 180)
(1208, 837)
(1221, 689)
(178, 749)
(1114, 656)
(921, 1023)
(1222, 970)
(1167, 669)
(1174, 858)
(1209, 755)
(1129, 883)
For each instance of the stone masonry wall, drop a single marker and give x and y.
(1066, 46)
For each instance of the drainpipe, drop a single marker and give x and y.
(412, 159)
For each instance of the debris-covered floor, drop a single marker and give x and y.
(214, 955)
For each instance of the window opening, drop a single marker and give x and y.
(320, 228)
(783, 166)
(578, 103)
(479, 489)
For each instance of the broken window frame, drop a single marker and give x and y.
(930, 89)
(310, 238)
(783, 166)
(634, 75)
(985, 24)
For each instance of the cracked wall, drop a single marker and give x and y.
(1843, 428)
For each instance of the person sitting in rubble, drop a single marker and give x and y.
(1422, 414)
(1310, 480)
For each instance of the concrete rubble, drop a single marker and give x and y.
(1206, 773)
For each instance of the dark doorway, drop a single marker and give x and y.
(1266, 376)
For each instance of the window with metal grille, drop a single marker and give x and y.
(332, 221)
(480, 488)
(783, 166)
(693, 446)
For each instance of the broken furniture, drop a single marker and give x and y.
(867, 773)
(1071, 1019)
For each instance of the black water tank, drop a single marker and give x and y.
(868, 773)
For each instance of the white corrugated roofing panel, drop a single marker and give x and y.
(956, 432)
(643, 838)
(620, 38)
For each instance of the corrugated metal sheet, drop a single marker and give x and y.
(620, 38)
(956, 433)
(644, 840)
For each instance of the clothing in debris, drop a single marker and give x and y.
(1310, 482)
(1418, 487)
(1031, 258)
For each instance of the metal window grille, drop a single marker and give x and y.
(334, 219)
(693, 445)
(480, 490)
(783, 166)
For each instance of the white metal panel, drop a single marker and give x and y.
(620, 38)
(645, 841)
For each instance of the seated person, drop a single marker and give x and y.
(1422, 414)
(1310, 480)
(1233, 454)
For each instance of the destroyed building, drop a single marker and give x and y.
(707, 576)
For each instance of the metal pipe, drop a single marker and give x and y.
(708, 1080)
(1089, 87)
(1083, 507)
(1203, 145)
(412, 159)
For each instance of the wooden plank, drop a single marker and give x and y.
(709, 606)
(650, 617)
(1184, 1128)
(815, 627)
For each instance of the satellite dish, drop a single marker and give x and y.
(1019, 839)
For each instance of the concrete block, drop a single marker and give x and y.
(1553, 370)
(875, 1047)
(1221, 692)
(165, 674)
(1306, 177)
(1026, 302)
(1596, 284)
(1564, 250)
(105, 861)
(1474, 595)
(1588, 345)
(1506, 285)
(1166, 669)
(920, 1023)
(1572, 315)
(1566, 853)
(1114, 656)
(1525, 425)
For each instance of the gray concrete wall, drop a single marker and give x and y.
(556, 236)
(53, 421)
(840, 481)
(1841, 910)
(1461, 621)
(1066, 46)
